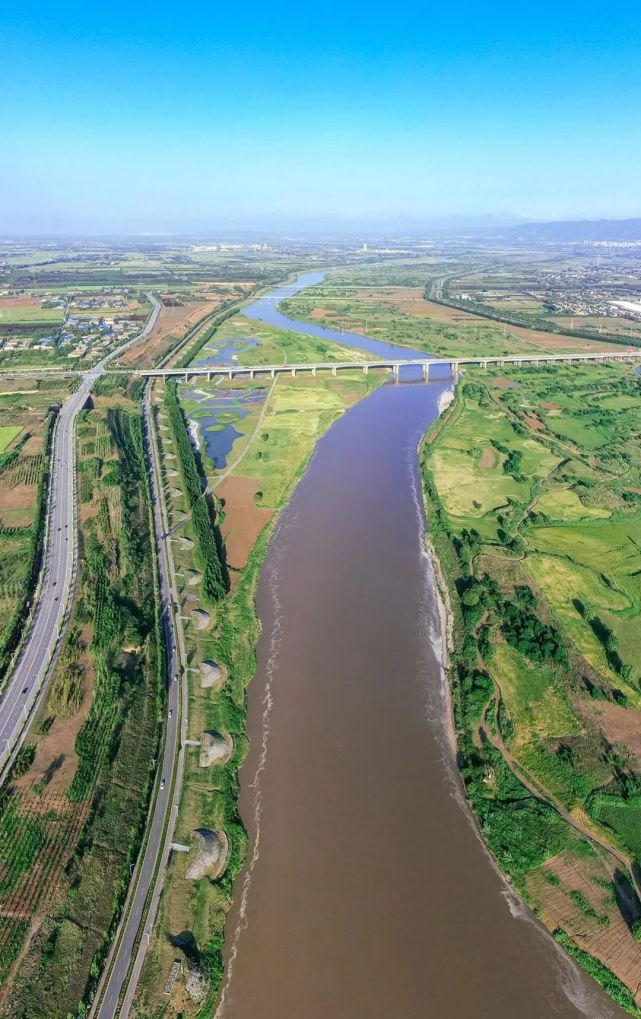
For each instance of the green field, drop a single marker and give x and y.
(275, 345)
(535, 699)
(389, 304)
(30, 315)
(7, 434)
(623, 816)
(534, 503)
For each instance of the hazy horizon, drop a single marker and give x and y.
(145, 120)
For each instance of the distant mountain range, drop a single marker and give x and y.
(577, 230)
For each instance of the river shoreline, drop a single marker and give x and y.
(571, 953)
(389, 617)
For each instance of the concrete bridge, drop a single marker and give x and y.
(427, 365)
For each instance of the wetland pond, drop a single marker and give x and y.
(368, 893)
(212, 417)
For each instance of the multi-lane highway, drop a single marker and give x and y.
(125, 961)
(26, 684)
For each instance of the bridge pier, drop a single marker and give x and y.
(294, 372)
(396, 368)
(425, 371)
(273, 373)
(251, 374)
(365, 369)
(453, 369)
(314, 371)
(209, 376)
(230, 376)
(333, 369)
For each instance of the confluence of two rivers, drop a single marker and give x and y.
(368, 893)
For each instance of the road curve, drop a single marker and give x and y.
(27, 681)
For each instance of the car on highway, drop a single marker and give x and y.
(162, 783)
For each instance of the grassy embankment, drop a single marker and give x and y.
(193, 911)
(385, 307)
(73, 815)
(534, 500)
(24, 447)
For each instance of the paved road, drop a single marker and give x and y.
(27, 681)
(165, 807)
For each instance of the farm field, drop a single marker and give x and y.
(534, 497)
(8, 434)
(564, 294)
(14, 314)
(402, 314)
(221, 636)
(72, 813)
(533, 486)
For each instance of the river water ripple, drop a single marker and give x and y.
(368, 893)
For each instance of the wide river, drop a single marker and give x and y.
(368, 893)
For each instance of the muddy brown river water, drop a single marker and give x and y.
(368, 894)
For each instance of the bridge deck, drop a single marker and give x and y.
(232, 370)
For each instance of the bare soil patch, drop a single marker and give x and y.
(550, 406)
(18, 497)
(33, 445)
(55, 760)
(442, 313)
(244, 520)
(533, 421)
(621, 725)
(171, 325)
(488, 458)
(501, 382)
(17, 504)
(20, 302)
(612, 942)
(554, 341)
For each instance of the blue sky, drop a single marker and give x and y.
(162, 117)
